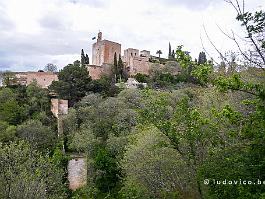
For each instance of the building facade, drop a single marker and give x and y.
(103, 57)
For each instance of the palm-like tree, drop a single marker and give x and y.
(159, 52)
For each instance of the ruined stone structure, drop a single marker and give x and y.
(59, 107)
(103, 57)
(43, 79)
(77, 172)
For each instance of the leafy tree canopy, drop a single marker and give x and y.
(74, 83)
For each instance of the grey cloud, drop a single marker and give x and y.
(32, 50)
(5, 64)
(33, 62)
(53, 21)
(190, 4)
(49, 42)
(93, 3)
(5, 23)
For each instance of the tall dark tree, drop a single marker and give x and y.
(83, 58)
(115, 67)
(173, 54)
(115, 59)
(74, 83)
(120, 68)
(124, 72)
(87, 59)
(169, 51)
(202, 58)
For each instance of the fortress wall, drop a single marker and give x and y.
(44, 79)
(96, 72)
(140, 65)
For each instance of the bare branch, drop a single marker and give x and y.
(221, 55)
(250, 36)
(226, 34)
(207, 51)
(238, 6)
(243, 6)
(244, 55)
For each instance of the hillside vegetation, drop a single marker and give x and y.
(198, 133)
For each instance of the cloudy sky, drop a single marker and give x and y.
(36, 32)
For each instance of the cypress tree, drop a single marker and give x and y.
(115, 66)
(82, 57)
(120, 67)
(169, 51)
(87, 59)
(202, 58)
(173, 54)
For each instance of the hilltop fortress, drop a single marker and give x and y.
(103, 57)
(103, 52)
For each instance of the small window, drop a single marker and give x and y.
(43, 79)
(135, 54)
(131, 54)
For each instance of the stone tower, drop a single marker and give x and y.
(103, 51)
(99, 36)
